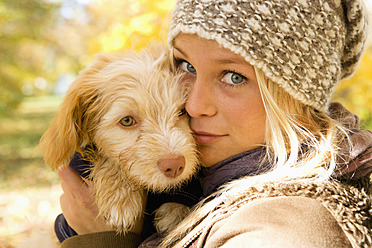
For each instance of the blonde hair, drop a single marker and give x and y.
(302, 142)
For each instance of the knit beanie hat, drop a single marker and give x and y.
(305, 46)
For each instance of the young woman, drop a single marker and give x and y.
(283, 167)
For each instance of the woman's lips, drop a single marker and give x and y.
(204, 138)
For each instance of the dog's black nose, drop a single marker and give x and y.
(172, 166)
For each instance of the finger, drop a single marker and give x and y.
(67, 199)
(72, 208)
(65, 205)
(67, 191)
(77, 191)
(73, 181)
(89, 184)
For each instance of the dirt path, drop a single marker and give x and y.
(23, 213)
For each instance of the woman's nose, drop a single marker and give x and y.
(201, 100)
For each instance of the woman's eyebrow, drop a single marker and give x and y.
(180, 51)
(227, 57)
(234, 60)
(226, 61)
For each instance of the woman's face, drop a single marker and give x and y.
(225, 105)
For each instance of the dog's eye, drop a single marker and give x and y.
(128, 121)
(182, 112)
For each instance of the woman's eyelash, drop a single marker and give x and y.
(184, 65)
(235, 72)
(178, 61)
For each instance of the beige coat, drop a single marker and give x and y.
(291, 214)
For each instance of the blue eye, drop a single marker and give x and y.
(233, 78)
(187, 67)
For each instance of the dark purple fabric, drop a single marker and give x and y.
(80, 165)
(355, 156)
(248, 163)
(188, 195)
(62, 229)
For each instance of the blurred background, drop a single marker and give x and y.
(43, 45)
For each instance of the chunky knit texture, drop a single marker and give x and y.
(306, 47)
(350, 207)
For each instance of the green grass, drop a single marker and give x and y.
(20, 165)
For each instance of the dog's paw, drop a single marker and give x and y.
(168, 215)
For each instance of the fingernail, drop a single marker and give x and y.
(62, 168)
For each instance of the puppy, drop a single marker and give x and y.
(130, 108)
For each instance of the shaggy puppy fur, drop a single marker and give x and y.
(130, 108)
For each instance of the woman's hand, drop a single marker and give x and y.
(78, 203)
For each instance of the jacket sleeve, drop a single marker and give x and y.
(278, 222)
(102, 240)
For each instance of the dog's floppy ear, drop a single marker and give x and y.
(70, 131)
